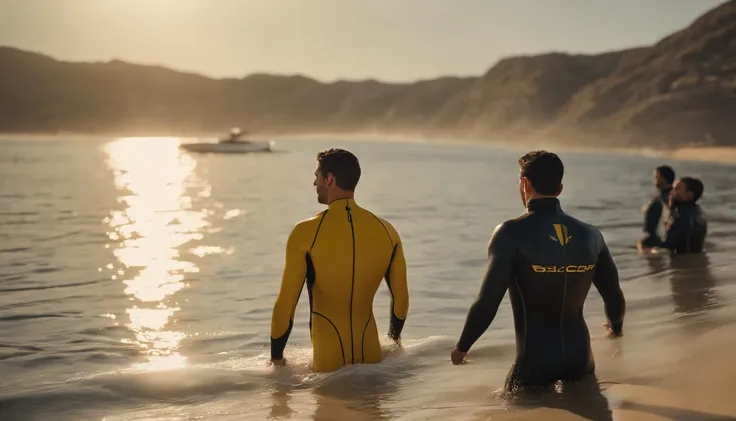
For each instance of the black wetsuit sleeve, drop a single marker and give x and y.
(606, 281)
(498, 276)
(397, 285)
(652, 216)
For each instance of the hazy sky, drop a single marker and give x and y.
(392, 40)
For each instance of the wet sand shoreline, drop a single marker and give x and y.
(697, 388)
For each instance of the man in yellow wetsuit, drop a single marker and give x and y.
(342, 255)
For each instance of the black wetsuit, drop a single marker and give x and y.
(652, 215)
(548, 260)
(686, 229)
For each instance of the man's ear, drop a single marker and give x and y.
(329, 179)
(527, 184)
(559, 192)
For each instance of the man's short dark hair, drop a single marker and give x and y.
(544, 170)
(667, 173)
(693, 185)
(343, 165)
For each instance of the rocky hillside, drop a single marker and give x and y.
(681, 90)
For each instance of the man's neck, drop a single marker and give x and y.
(535, 196)
(341, 196)
(537, 202)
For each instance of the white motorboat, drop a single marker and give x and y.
(249, 146)
(233, 144)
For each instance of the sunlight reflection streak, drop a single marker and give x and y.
(157, 218)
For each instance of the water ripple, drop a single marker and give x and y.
(46, 287)
(20, 317)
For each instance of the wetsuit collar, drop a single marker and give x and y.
(685, 206)
(341, 203)
(544, 203)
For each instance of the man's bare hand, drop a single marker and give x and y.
(457, 357)
(611, 333)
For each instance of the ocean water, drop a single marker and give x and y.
(137, 280)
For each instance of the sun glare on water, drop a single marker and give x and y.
(155, 220)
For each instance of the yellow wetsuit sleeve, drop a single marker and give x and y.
(397, 285)
(292, 282)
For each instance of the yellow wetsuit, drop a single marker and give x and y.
(342, 255)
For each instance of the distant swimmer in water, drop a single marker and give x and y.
(342, 254)
(548, 261)
(686, 228)
(664, 176)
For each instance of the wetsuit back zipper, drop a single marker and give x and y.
(564, 289)
(352, 283)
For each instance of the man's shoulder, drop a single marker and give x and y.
(512, 223)
(701, 214)
(577, 223)
(509, 226)
(393, 233)
(303, 232)
(309, 223)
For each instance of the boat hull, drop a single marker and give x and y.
(229, 147)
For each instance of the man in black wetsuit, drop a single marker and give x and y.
(686, 228)
(664, 176)
(548, 261)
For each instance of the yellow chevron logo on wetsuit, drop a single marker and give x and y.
(562, 236)
(342, 255)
